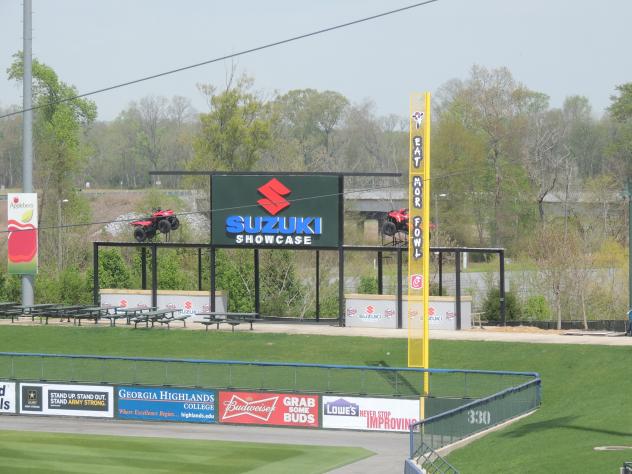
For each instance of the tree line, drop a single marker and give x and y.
(500, 152)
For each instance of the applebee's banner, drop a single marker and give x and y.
(22, 227)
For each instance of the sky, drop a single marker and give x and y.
(561, 47)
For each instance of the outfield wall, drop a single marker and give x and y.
(187, 405)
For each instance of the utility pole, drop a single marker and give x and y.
(629, 193)
(27, 129)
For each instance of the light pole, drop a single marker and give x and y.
(59, 227)
(629, 194)
(436, 207)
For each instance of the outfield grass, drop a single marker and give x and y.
(586, 401)
(23, 452)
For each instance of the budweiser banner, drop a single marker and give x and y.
(22, 227)
(276, 409)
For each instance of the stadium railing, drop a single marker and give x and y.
(451, 388)
(449, 427)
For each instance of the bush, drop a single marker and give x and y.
(536, 308)
(491, 306)
(73, 288)
(368, 285)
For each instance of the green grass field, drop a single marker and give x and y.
(585, 388)
(23, 452)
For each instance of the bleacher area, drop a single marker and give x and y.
(44, 313)
(137, 316)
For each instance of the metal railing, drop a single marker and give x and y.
(446, 428)
(450, 387)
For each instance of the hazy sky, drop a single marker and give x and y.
(559, 47)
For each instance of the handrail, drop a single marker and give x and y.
(270, 364)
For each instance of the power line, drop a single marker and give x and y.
(222, 58)
(473, 172)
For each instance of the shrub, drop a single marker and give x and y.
(536, 308)
(491, 306)
(368, 285)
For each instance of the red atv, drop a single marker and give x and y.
(396, 221)
(161, 221)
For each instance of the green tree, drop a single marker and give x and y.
(235, 132)
(113, 271)
(308, 120)
(620, 148)
(59, 126)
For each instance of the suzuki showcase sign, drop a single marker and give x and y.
(277, 409)
(22, 227)
(275, 211)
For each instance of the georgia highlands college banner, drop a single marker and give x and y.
(22, 227)
(275, 211)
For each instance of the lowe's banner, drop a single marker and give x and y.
(166, 404)
(372, 414)
(275, 211)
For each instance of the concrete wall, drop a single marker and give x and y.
(191, 302)
(380, 311)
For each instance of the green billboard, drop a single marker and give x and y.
(275, 210)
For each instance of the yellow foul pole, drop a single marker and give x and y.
(419, 236)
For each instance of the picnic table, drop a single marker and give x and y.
(112, 316)
(159, 315)
(10, 312)
(30, 309)
(231, 318)
(90, 312)
(132, 312)
(56, 311)
(6, 304)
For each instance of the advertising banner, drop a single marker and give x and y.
(22, 227)
(380, 311)
(266, 211)
(372, 414)
(7, 397)
(69, 400)
(166, 404)
(277, 409)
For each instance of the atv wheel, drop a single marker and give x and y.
(389, 228)
(139, 234)
(175, 223)
(164, 226)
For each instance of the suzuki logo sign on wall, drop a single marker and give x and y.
(273, 192)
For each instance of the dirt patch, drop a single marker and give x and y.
(109, 206)
(517, 329)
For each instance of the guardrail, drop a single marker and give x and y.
(446, 428)
(450, 387)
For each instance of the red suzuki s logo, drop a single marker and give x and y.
(273, 200)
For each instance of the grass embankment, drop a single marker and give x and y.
(585, 388)
(55, 452)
